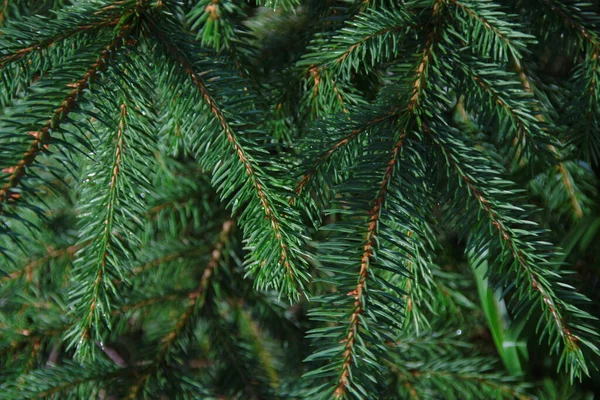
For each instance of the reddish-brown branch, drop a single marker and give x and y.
(19, 54)
(314, 71)
(195, 298)
(427, 55)
(420, 82)
(351, 136)
(106, 235)
(360, 42)
(42, 137)
(238, 149)
(567, 179)
(368, 250)
(375, 214)
(517, 253)
(33, 264)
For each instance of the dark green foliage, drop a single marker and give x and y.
(299, 199)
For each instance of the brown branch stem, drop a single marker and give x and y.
(42, 136)
(368, 251)
(195, 299)
(244, 158)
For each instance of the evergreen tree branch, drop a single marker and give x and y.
(58, 380)
(368, 252)
(42, 137)
(455, 378)
(106, 239)
(570, 18)
(530, 265)
(27, 270)
(257, 339)
(391, 114)
(567, 178)
(283, 230)
(161, 260)
(22, 53)
(489, 32)
(416, 85)
(525, 134)
(373, 32)
(325, 94)
(339, 146)
(188, 115)
(161, 299)
(195, 301)
(582, 23)
(113, 206)
(73, 23)
(435, 363)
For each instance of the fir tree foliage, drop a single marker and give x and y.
(299, 199)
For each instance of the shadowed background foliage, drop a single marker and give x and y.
(228, 199)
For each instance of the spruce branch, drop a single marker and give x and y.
(346, 382)
(59, 380)
(368, 252)
(386, 131)
(113, 209)
(325, 93)
(30, 266)
(283, 230)
(324, 159)
(490, 32)
(525, 137)
(42, 137)
(566, 177)
(73, 23)
(163, 259)
(257, 339)
(569, 15)
(371, 33)
(106, 239)
(163, 298)
(195, 301)
(582, 24)
(436, 361)
(390, 114)
(530, 266)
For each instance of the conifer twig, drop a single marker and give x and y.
(33, 264)
(195, 301)
(244, 158)
(42, 137)
(306, 178)
(368, 251)
(567, 179)
(17, 55)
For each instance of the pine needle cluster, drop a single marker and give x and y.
(299, 199)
